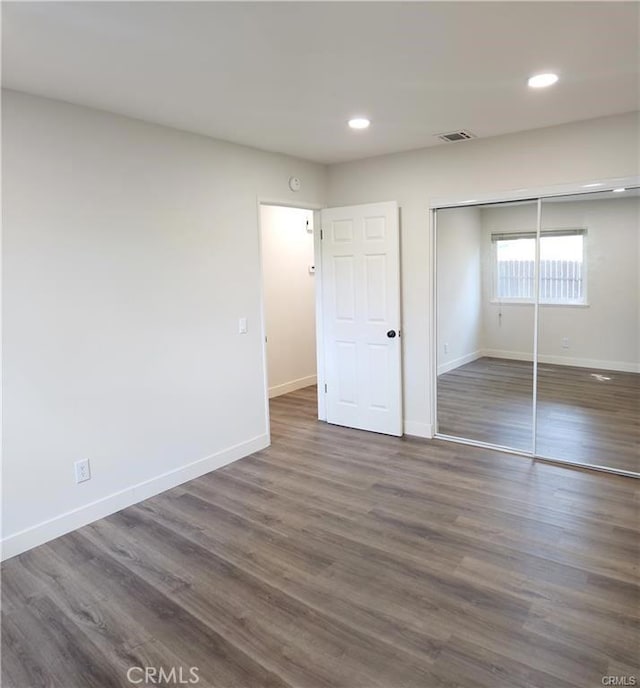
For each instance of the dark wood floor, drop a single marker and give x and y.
(584, 415)
(339, 558)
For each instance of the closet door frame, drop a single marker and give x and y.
(538, 195)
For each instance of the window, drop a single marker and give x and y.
(562, 274)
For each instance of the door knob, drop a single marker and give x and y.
(391, 334)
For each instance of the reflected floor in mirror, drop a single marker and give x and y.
(584, 415)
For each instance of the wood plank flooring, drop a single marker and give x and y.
(584, 415)
(339, 558)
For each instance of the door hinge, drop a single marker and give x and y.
(321, 234)
(325, 388)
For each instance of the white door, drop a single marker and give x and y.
(361, 317)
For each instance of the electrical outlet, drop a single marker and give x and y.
(83, 470)
(565, 342)
(446, 348)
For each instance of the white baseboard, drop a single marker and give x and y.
(619, 366)
(510, 355)
(292, 386)
(417, 429)
(457, 362)
(71, 520)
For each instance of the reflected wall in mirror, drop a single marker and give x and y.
(485, 260)
(588, 408)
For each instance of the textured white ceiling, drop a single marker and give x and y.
(286, 76)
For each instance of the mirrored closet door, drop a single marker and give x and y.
(485, 323)
(588, 401)
(538, 327)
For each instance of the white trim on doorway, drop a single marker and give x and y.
(319, 378)
(533, 193)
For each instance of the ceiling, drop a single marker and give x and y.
(287, 76)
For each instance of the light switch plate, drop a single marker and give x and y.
(242, 326)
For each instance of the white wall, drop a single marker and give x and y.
(129, 252)
(605, 333)
(459, 247)
(289, 297)
(601, 148)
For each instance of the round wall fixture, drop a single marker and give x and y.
(294, 183)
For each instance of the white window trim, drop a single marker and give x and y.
(546, 304)
(530, 302)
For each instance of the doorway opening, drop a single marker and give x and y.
(331, 313)
(289, 292)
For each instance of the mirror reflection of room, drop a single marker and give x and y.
(486, 323)
(588, 344)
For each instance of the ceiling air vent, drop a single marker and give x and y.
(456, 136)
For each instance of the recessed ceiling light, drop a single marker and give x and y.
(359, 123)
(589, 186)
(472, 200)
(619, 190)
(542, 80)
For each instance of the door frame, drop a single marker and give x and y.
(317, 258)
(537, 194)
